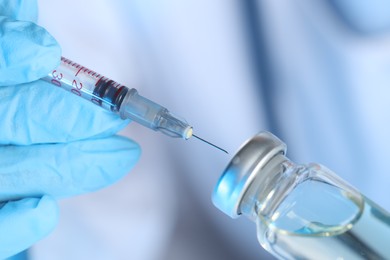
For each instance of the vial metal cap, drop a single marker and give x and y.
(242, 169)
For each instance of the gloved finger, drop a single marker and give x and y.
(24, 222)
(39, 112)
(63, 170)
(366, 16)
(28, 52)
(25, 10)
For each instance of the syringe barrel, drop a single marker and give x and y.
(87, 84)
(116, 98)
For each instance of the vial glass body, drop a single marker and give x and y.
(310, 213)
(301, 211)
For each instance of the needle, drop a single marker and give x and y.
(210, 144)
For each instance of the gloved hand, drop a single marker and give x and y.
(52, 144)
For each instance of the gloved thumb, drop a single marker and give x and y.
(24, 222)
(27, 52)
(26, 10)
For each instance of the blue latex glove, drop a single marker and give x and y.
(52, 144)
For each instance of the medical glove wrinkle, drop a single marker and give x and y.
(27, 52)
(36, 112)
(63, 170)
(24, 10)
(52, 144)
(24, 221)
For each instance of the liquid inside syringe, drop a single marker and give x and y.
(119, 99)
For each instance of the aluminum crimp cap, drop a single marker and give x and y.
(242, 169)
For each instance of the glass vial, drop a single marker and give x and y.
(301, 211)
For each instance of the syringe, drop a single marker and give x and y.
(119, 99)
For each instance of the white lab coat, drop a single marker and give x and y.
(195, 58)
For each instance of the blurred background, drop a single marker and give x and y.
(314, 73)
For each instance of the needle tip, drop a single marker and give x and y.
(207, 142)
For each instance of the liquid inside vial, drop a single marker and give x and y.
(321, 221)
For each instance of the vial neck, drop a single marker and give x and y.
(270, 186)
